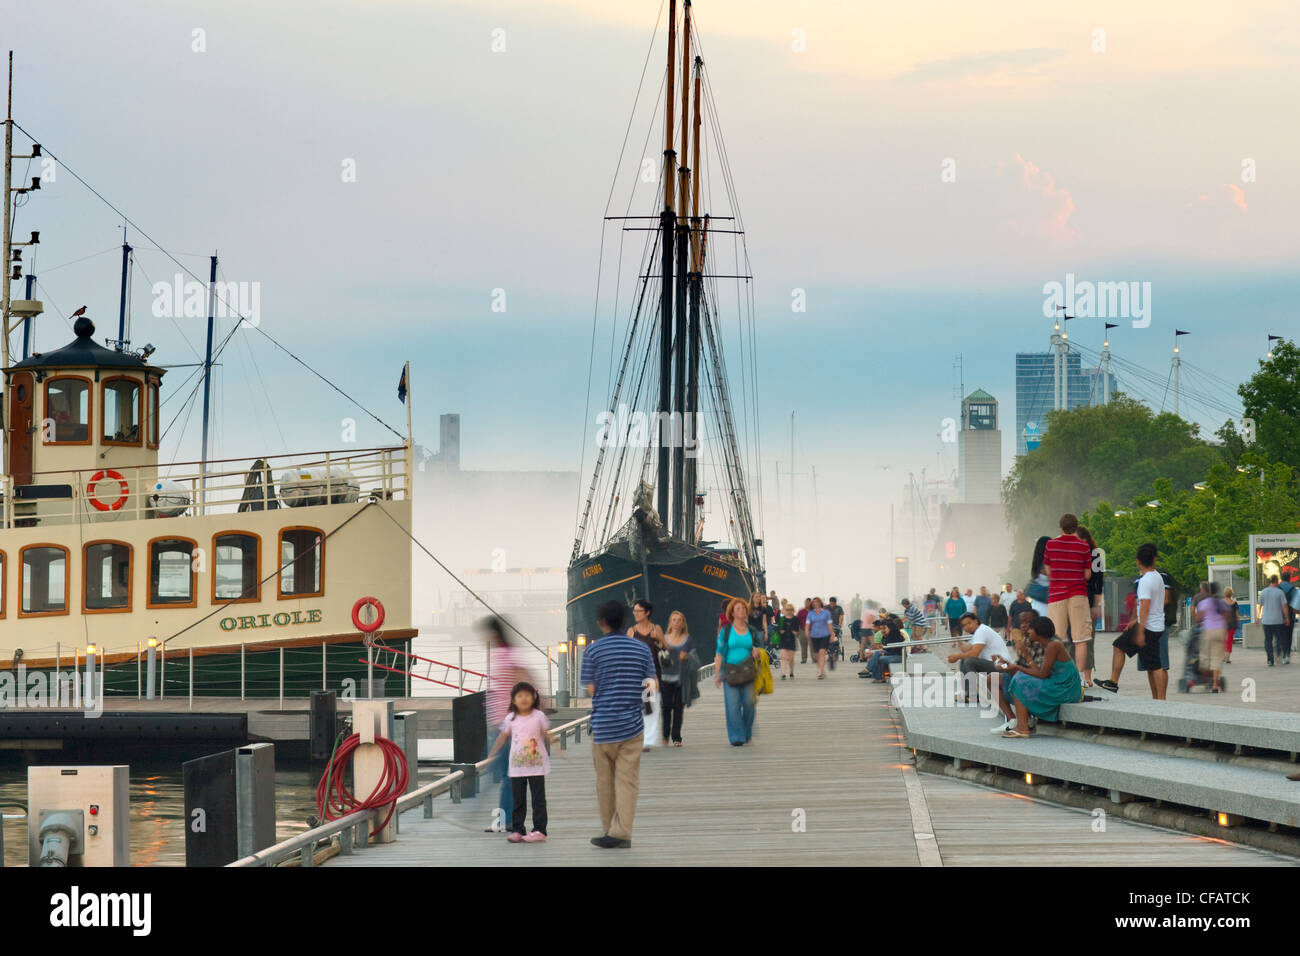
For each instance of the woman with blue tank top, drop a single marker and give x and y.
(818, 626)
(735, 643)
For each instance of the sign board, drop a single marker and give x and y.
(1272, 554)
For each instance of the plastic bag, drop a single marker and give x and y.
(652, 710)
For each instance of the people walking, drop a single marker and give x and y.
(983, 601)
(527, 731)
(673, 663)
(736, 647)
(1275, 616)
(616, 669)
(506, 669)
(646, 631)
(1211, 616)
(818, 626)
(1232, 621)
(1037, 590)
(953, 609)
(803, 631)
(1143, 635)
(998, 615)
(787, 625)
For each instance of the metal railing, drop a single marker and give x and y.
(370, 472)
(305, 845)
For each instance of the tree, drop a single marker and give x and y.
(1190, 524)
(1109, 452)
(1271, 398)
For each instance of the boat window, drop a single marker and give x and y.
(302, 562)
(67, 411)
(153, 415)
(121, 412)
(45, 582)
(108, 576)
(236, 574)
(171, 572)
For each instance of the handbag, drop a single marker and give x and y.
(1036, 592)
(737, 675)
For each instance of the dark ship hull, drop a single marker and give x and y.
(671, 574)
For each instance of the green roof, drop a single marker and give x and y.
(979, 395)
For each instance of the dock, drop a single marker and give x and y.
(828, 780)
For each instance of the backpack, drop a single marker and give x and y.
(1173, 600)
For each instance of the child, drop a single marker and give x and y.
(527, 729)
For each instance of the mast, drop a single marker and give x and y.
(692, 409)
(4, 292)
(207, 362)
(679, 318)
(668, 225)
(121, 308)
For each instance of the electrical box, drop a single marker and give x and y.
(98, 797)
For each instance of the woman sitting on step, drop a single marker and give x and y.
(1039, 690)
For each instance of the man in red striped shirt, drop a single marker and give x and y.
(1068, 563)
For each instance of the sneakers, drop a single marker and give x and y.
(1109, 685)
(608, 842)
(516, 837)
(537, 836)
(1004, 726)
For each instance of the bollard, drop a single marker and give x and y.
(255, 798)
(468, 784)
(562, 698)
(406, 724)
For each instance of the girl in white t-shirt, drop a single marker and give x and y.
(528, 732)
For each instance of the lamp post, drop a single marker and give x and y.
(89, 692)
(562, 696)
(151, 663)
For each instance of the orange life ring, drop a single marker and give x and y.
(96, 478)
(379, 615)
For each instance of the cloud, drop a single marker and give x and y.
(1059, 202)
(998, 65)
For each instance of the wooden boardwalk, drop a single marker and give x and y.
(826, 754)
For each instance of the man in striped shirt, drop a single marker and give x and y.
(915, 620)
(1068, 563)
(615, 668)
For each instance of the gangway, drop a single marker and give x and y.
(410, 669)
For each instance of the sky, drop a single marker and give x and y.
(920, 170)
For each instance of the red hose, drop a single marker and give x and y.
(333, 798)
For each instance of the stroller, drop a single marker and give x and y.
(1192, 675)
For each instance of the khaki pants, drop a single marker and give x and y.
(618, 773)
(1072, 617)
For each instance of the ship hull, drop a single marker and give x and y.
(673, 577)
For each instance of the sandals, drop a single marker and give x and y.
(1014, 733)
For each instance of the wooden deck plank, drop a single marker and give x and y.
(829, 748)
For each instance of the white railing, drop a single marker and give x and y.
(376, 472)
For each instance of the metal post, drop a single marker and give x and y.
(191, 676)
(550, 676)
(139, 684)
(207, 374)
(241, 670)
(460, 666)
(151, 669)
(324, 682)
(370, 672)
(162, 670)
(90, 675)
(58, 678)
(282, 678)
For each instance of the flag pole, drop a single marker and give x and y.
(410, 440)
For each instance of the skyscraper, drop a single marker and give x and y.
(1035, 390)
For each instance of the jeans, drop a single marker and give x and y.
(1279, 635)
(740, 712)
(519, 787)
(876, 665)
(673, 708)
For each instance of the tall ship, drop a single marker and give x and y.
(667, 516)
(234, 575)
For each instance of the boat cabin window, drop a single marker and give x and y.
(302, 562)
(67, 411)
(121, 415)
(152, 417)
(237, 567)
(108, 576)
(45, 579)
(171, 572)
